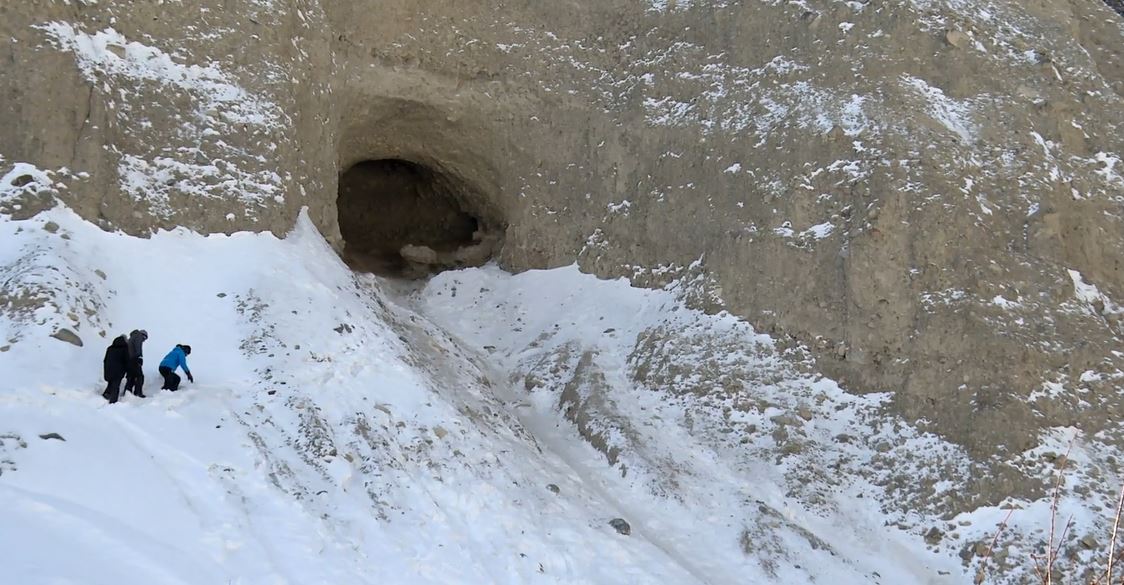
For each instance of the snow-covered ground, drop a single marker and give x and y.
(483, 428)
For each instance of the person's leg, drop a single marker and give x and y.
(135, 382)
(175, 383)
(167, 373)
(130, 379)
(112, 390)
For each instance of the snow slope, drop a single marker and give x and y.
(344, 429)
(714, 445)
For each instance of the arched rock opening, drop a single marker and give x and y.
(406, 219)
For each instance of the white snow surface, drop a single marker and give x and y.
(346, 429)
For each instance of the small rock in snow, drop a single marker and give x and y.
(785, 420)
(67, 336)
(621, 526)
(49, 436)
(23, 180)
(933, 536)
(51, 227)
(792, 448)
(552, 488)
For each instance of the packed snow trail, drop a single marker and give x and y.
(337, 434)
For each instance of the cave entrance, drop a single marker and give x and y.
(404, 219)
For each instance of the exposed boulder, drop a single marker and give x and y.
(67, 336)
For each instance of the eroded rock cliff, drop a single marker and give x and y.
(927, 194)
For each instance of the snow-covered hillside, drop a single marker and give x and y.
(337, 435)
(479, 428)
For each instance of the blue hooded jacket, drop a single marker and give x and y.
(175, 359)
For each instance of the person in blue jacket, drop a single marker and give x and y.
(177, 358)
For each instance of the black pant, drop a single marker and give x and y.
(112, 389)
(134, 378)
(171, 380)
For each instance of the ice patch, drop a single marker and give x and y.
(623, 207)
(815, 232)
(1111, 171)
(110, 53)
(819, 231)
(1004, 303)
(1096, 302)
(954, 115)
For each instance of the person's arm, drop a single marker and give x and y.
(183, 364)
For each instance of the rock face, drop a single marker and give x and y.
(157, 115)
(926, 193)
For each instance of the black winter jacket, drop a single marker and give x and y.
(116, 361)
(136, 343)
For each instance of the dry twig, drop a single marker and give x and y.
(1106, 579)
(980, 576)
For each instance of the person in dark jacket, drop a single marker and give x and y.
(115, 365)
(134, 378)
(177, 358)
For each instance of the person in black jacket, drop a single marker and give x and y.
(134, 378)
(115, 366)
